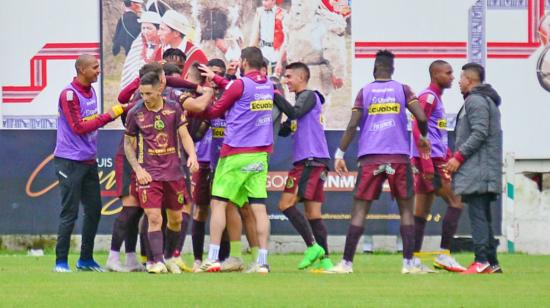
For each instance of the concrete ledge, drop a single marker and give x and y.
(278, 243)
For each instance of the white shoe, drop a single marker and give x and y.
(341, 268)
(156, 268)
(172, 266)
(232, 264)
(409, 267)
(210, 266)
(423, 268)
(257, 268)
(448, 263)
(113, 265)
(132, 264)
(197, 266)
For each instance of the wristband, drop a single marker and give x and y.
(339, 154)
(118, 110)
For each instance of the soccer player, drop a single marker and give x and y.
(310, 159)
(383, 153)
(75, 162)
(241, 173)
(431, 178)
(477, 163)
(158, 123)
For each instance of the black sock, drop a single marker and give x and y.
(352, 238)
(132, 229)
(183, 233)
(449, 226)
(407, 234)
(320, 232)
(419, 229)
(197, 236)
(225, 249)
(299, 222)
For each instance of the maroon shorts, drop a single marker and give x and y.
(424, 186)
(202, 183)
(163, 194)
(371, 178)
(125, 177)
(307, 182)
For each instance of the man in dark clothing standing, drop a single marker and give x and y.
(128, 27)
(477, 162)
(75, 162)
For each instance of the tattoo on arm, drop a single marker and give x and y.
(130, 151)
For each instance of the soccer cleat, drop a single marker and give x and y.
(88, 266)
(343, 267)
(324, 265)
(172, 266)
(311, 255)
(197, 266)
(410, 267)
(181, 264)
(133, 265)
(157, 268)
(113, 265)
(495, 269)
(448, 263)
(425, 269)
(62, 267)
(257, 268)
(210, 266)
(232, 264)
(477, 268)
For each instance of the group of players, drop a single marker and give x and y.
(219, 131)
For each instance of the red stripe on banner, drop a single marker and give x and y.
(21, 88)
(514, 44)
(17, 100)
(418, 55)
(59, 57)
(530, 20)
(508, 56)
(410, 44)
(71, 45)
(33, 82)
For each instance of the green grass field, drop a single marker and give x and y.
(28, 281)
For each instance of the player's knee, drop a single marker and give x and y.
(154, 220)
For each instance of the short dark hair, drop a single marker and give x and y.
(477, 69)
(150, 78)
(434, 64)
(195, 72)
(151, 67)
(217, 62)
(170, 69)
(174, 52)
(299, 66)
(254, 57)
(384, 61)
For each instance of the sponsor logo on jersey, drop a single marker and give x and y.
(261, 105)
(384, 108)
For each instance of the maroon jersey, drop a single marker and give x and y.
(157, 139)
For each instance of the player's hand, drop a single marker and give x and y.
(116, 111)
(143, 177)
(337, 83)
(206, 72)
(340, 166)
(232, 68)
(424, 148)
(192, 163)
(428, 176)
(452, 165)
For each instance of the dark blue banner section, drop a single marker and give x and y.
(30, 200)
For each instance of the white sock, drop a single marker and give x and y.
(213, 252)
(114, 256)
(262, 256)
(131, 258)
(408, 262)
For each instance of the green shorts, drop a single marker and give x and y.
(241, 176)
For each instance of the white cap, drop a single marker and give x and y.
(150, 17)
(137, 1)
(177, 22)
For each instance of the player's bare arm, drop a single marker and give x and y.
(130, 146)
(423, 144)
(189, 148)
(197, 104)
(347, 138)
